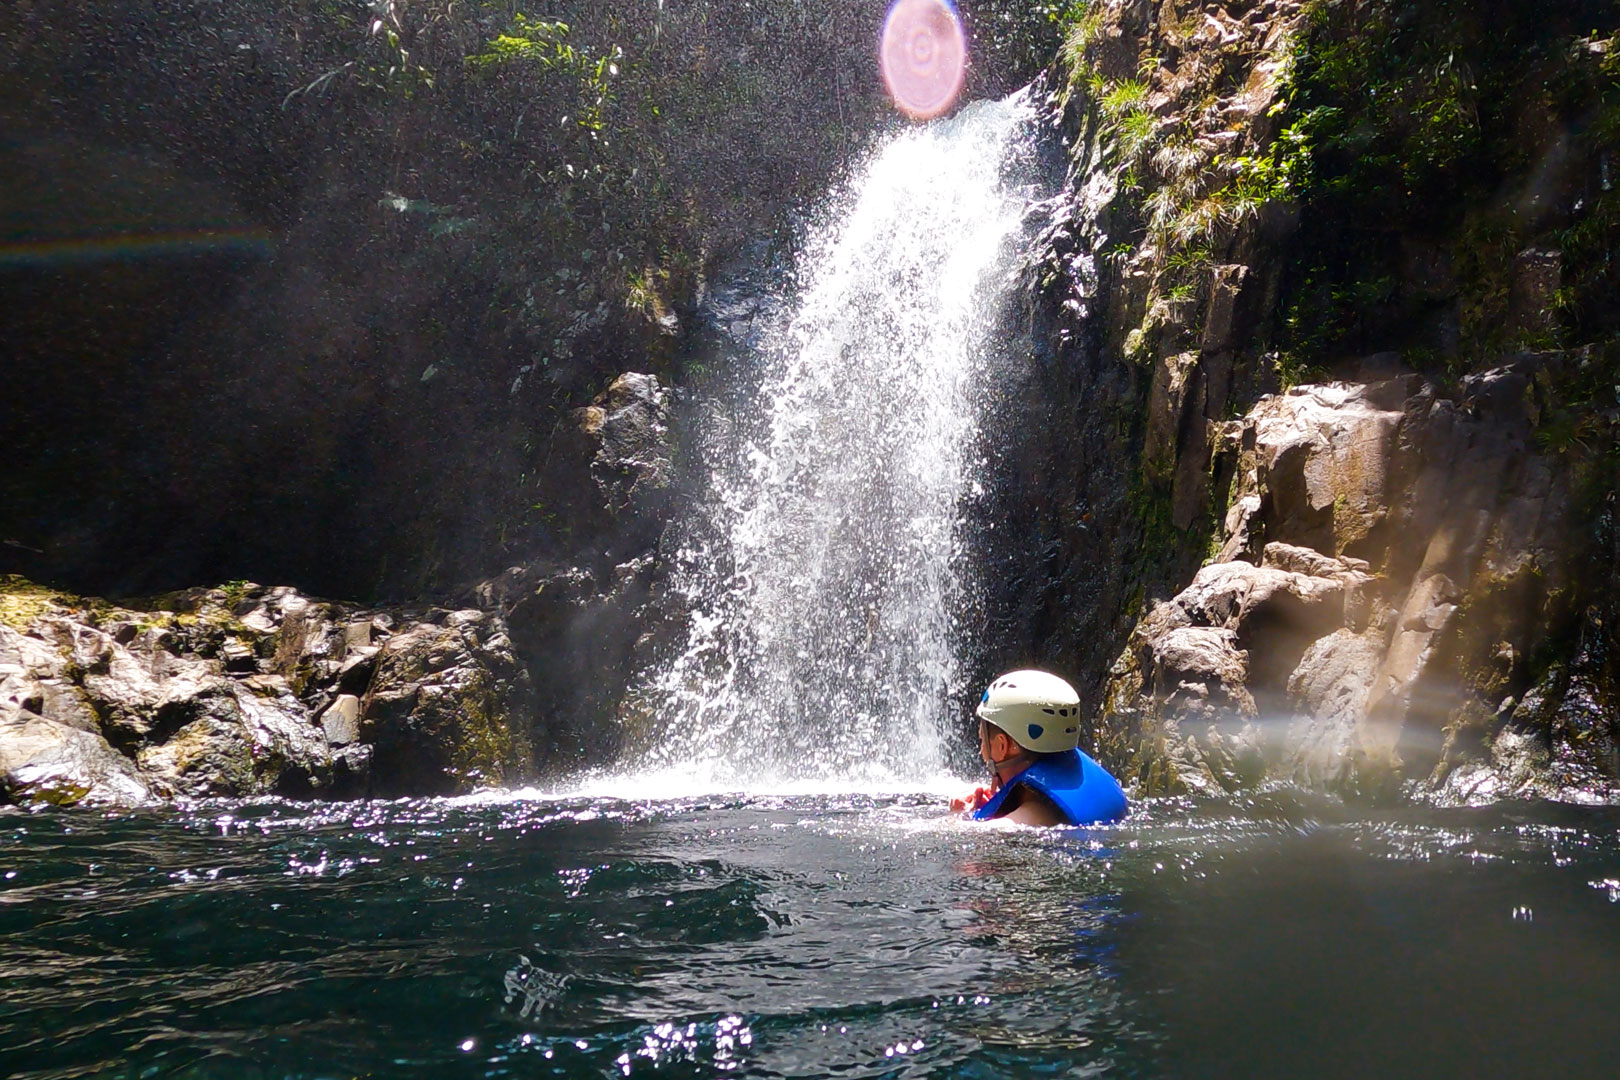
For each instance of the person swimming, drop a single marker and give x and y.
(1029, 736)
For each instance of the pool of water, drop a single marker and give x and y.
(811, 935)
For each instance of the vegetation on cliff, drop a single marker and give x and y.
(1367, 192)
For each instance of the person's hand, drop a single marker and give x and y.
(972, 801)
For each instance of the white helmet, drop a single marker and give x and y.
(1037, 710)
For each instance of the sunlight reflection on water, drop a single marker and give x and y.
(856, 934)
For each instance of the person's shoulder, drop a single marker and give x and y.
(1027, 806)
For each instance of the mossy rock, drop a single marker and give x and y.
(22, 601)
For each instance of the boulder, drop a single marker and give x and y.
(235, 742)
(628, 427)
(51, 748)
(1202, 668)
(1328, 691)
(43, 761)
(118, 686)
(449, 709)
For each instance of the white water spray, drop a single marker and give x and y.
(825, 572)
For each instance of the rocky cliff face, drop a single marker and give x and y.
(1393, 599)
(1338, 511)
(247, 691)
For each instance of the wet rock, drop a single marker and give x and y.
(1383, 566)
(237, 656)
(582, 633)
(358, 635)
(42, 761)
(1236, 595)
(33, 678)
(628, 425)
(449, 709)
(341, 720)
(191, 699)
(51, 749)
(230, 740)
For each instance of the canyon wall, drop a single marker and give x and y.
(1325, 474)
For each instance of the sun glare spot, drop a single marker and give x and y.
(924, 56)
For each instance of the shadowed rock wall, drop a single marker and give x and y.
(304, 292)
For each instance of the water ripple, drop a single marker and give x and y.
(825, 935)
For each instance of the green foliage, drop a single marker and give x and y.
(641, 292)
(1075, 71)
(1580, 410)
(234, 592)
(534, 41)
(1421, 127)
(1123, 97)
(1066, 15)
(1135, 130)
(1191, 259)
(1295, 367)
(543, 46)
(1079, 35)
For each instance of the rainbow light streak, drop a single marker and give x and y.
(69, 250)
(923, 53)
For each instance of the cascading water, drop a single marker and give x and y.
(824, 566)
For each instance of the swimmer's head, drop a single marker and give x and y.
(1034, 709)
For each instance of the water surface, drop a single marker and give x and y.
(812, 935)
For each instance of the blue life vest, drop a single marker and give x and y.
(1082, 790)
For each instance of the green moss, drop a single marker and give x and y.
(490, 750)
(22, 601)
(58, 791)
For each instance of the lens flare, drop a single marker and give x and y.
(924, 56)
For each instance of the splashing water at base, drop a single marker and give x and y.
(824, 568)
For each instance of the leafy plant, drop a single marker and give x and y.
(1122, 97)
(543, 45)
(1135, 131)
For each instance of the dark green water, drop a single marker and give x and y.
(811, 936)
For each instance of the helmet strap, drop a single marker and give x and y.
(1017, 756)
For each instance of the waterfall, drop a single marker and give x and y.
(823, 567)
